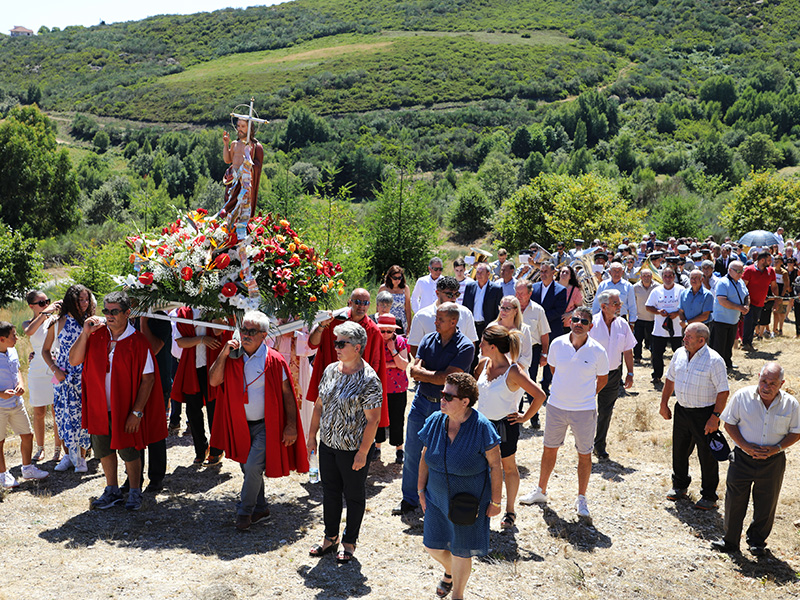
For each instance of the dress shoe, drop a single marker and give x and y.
(723, 546)
(259, 516)
(243, 522)
(403, 508)
(758, 550)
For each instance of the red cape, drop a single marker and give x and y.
(185, 380)
(130, 357)
(230, 431)
(373, 354)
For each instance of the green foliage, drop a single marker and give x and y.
(717, 159)
(759, 152)
(100, 141)
(100, 263)
(303, 127)
(37, 184)
(521, 144)
(625, 155)
(665, 119)
(678, 216)
(83, 127)
(21, 267)
(498, 178)
(762, 201)
(91, 172)
(719, 88)
(471, 213)
(534, 165)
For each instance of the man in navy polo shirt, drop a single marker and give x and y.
(439, 354)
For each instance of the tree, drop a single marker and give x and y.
(498, 177)
(719, 88)
(717, 159)
(100, 142)
(665, 119)
(678, 216)
(759, 152)
(534, 165)
(624, 154)
(21, 267)
(521, 143)
(471, 213)
(762, 201)
(39, 192)
(304, 127)
(34, 95)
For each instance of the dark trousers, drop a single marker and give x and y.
(480, 327)
(340, 480)
(751, 319)
(643, 332)
(688, 426)
(797, 317)
(723, 339)
(659, 345)
(533, 372)
(174, 407)
(397, 417)
(764, 478)
(157, 467)
(605, 408)
(194, 414)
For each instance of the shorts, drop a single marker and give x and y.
(509, 436)
(101, 446)
(582, 422)
(17, 418)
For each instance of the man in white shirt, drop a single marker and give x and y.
(698, 377)
(580, 370)
(616, 281)
(460, 270)
(664, 302)
(613, 333)
(781, 242)
(424, 322)
(763, 421)
(424, 293)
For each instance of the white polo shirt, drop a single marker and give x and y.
(424, 322)
(534, 317)
(574, 385)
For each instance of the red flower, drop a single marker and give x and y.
(229, 290)
(338, 268)
(186, 273)
(223, 260)
(202, 211)
(279, 261)
(146, 278)
(280, 289)
(294, 261)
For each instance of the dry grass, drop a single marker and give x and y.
(183, 543)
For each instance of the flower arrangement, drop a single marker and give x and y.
(197, 261)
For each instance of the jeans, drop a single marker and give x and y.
(421, 409)
(252, 495)
(340, 480)
(751, 319)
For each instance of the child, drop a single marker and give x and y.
(12, 411)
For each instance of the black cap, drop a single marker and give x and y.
(718, 445)
(673, 260)
(602, 255)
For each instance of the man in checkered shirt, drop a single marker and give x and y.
(698, 377)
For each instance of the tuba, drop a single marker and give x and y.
(478, 256)
(648, 266)
(584, 269)
(539, 256)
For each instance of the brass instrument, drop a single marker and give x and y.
(480, 256)
(538, 257)
(647, 265)
(584, 269)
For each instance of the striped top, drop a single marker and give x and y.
(344, 400)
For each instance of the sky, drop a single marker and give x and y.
(62, 13)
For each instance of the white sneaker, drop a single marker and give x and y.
(81, 467)
(7, 480)
(33, 472)
(64, 464)
(535, 497)
(37, 456)
(582, 508)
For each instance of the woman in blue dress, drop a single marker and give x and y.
(461, 454)
(78, 304)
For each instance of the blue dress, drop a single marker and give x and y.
(67, 394)
(468, 472)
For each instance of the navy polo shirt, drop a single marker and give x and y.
(694, 304)
(457, 353)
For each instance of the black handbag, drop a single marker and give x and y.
(464, 507)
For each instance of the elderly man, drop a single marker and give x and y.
(580, 370)
(664, 302)
(618, 282)
(440, 353)
(724, 261)
(696, 301)
(643, 328)
(613, 333)
(552, 297)
(763, 421)
(731, 301)
(709, 278)
(424, 321)
(258, 417)
(507, 282)
(781, 242)
(482, 298)
(534, 317)
(760, 279)
(122, 407)
(697, 376)
(425, 288)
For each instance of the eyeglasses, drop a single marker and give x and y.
(249, 332)
(581, 320)
(361, 302)
(437, 269)
(449, 397)
(738, 270)
(451, 294)
(507, 307)
(41, 303)
(339, 344)
(397, 277)
(112, 311)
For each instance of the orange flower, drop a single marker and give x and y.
(341, 291)
(292, 247)
(312, 298)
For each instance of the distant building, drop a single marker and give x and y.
(18, 30)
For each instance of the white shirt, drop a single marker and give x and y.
(199, 331)
(699, 380)
(424, 322)
(756, 423)
(574, 383)
(424, 293)
(668, 300)
(477, 308)
(462, 285)
(616, 340)
(254, 383)
(148, 365)
(534, 317)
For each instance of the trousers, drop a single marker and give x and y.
(606, 399)
(688, 426)
(421, 409)
(339, 480)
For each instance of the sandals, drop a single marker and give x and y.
(444, 587)
(317, 550)
(508, 520)
(345, 556)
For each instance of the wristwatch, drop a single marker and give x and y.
(137, 413)
(716, 414)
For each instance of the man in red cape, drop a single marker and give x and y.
(322, 337)
(122, 408)
(257, 417)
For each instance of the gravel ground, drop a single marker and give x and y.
(183, 543)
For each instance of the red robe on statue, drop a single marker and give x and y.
(373, 354)
(130, 357)
(231, 432)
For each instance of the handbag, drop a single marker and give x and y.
(463, 509)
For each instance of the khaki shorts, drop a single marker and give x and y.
(582, 422)
(17, 418)
(101, 446)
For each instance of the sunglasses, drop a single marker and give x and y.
(339, 344)
(449, 397)
(507, 308)
(112, 311)
(451, 294)
(41, 303)
(397, 277)
(361, 302)
(436, 268)
(581, 320)
(249, 332)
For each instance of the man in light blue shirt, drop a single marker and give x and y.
(730, 303)
(696, 301)
(625, 289)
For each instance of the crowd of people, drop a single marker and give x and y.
(472, 345)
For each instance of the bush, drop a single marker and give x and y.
(471, 213)
(21, 267)
(678, 216)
